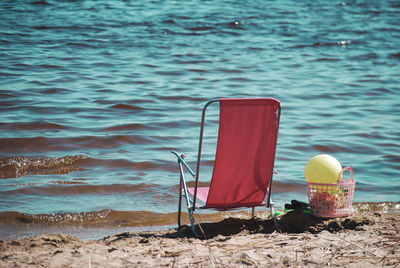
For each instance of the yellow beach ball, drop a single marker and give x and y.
(322, 168)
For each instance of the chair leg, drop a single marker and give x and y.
(271, 206)
(183, 192)
(179, 211)
(190, 212)
(273, 216)
(180, 204)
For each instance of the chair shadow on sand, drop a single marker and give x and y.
(292, 222)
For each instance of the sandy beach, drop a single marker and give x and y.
(365, 239)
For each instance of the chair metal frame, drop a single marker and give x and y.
(182, 164)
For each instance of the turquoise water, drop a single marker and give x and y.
(94, 95)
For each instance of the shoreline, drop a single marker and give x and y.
(365, 238)
(95, 225)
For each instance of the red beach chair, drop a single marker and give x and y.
(244, 161)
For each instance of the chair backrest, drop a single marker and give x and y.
(244, 162)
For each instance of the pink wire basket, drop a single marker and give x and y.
(332, 200)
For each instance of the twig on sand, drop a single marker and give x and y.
(211, 257)
(334, 255)
(173, 262)
(251, 259)
(201, 228)
(383, 260)
(246, 262)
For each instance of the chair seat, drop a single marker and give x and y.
(202, 193)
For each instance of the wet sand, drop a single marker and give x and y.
(365, 239)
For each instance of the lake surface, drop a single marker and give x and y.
(95, 94)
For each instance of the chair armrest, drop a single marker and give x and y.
(181, 160)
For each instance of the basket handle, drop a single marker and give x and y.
(350, 169)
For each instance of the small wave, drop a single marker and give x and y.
(193, 61)
(111, 218)
(109, 141)
(180, 124)
(367, 56)
(13, 167)
(123, 106)
(4, 42)
(9, 105)
(8, 74)
(327, 59)
(380, 207)
(43, 144)
(394, 55)
(185, 55)
(169, 21)
(227, 33)
(230, 70)
(141, 82)
(39, 83)
(197, 71)
(148, 218)
(284, 187)
(55, 91)
(240, 79)
(388, 29)
(188, 98)
(67, 182)
(370, 136)
(331, 149)
(170, 73)
(237, 25)
(170, 32)
(50, 66)
(150, 65)
(67, 28)
(342, 43)
(94, 218)
(126, 127)
(69, 188)
(40, 3)
(84, 45)
(394, 160)
(129, 165)
(201, 28)
(29, 126)
(7, 94)
(256, 48)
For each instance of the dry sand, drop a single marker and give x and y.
(366, 239)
